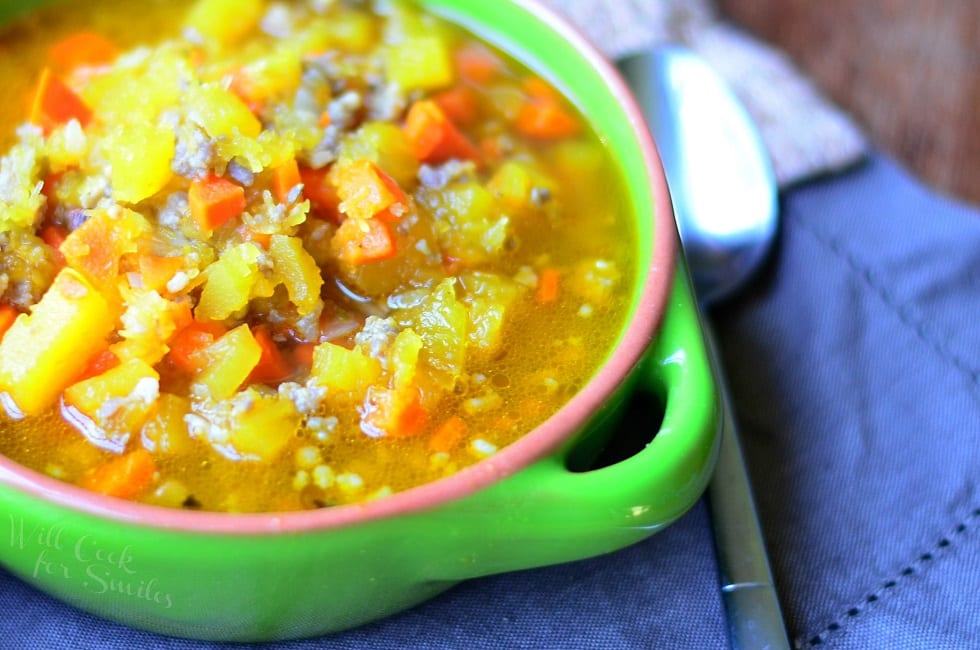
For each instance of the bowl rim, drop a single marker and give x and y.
(530, 447)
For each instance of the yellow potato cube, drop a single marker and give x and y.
(298, 271)
(140, 155)
(230, 361)
(119, 400)
(341, 369)
(265, 427)
(166, 430)
(224, 22)
(45, 351)
(420, 63)
(221, 113)
(230, 283)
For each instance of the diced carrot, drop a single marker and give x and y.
(539, 89)
(396, 413)
(546, 119)
(55, 103)
(105, 360)
(125, 477)
(547, 286)
(187, 347)
(272, 366)
(302, 355)
(214, 200)
(325, 119)
(8, 314)
(260, 238)
(448, 435)
(477, 64)
(321, 194)
(284, 178)
(491, 148)
(156, 271)
(83, 48)
(432, 135)
(366, 191)
(459, 103)
(361, 241)
(54, 236)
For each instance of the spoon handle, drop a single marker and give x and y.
(755, 618)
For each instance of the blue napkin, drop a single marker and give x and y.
(855, 371)
(854, 363)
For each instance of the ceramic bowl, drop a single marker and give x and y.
(540, 501)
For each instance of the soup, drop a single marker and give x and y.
(275, 256)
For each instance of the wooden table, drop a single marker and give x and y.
(907, 70)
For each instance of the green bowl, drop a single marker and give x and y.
(275, 576)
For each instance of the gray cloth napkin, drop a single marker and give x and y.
(805, 133)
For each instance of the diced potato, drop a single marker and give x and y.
(297, 270)
(441, 321)
(470, 227)
(514, 183)
(265, 427)
(119, 400)
(271, 76)
(595, 280)
(230, 282)
(166, 430)
(220, 112)
(422, 62)
(45, 351)
(488, 298)
(225, 22)
(347, 30)
(139, 154)
(138, 93)
(341, 369)
(230, 361)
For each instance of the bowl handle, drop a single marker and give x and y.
(547, 513)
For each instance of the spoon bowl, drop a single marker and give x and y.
(721, 181)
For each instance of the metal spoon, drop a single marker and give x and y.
(725, 203)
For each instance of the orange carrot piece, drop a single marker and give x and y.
(546, 120)
(459, 103)
(362, 241)
(83, 48)
(125, 477)
(397, 414)
(272, 366)
(547, 286)
(215, 200)
(366, 191)
(186, 348)
(105, 360)
(477, 64)
(55, 103)
(449, 434)
(8, 314)
(302, 355)
(284, 179)
(321, 194)
(52, 235)
(156, 271)
(432, 135)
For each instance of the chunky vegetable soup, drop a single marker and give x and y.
(269, 256)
